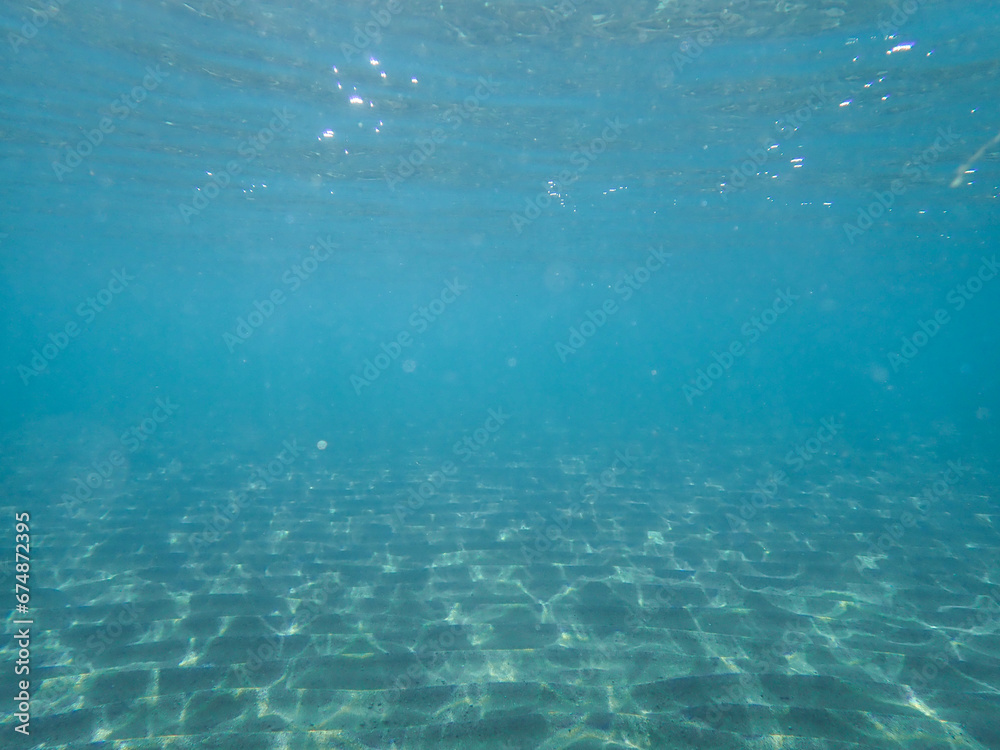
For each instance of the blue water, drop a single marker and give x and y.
(454, 375)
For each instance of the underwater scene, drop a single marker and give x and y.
(500, 374)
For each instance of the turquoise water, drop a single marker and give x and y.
(489, 375)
